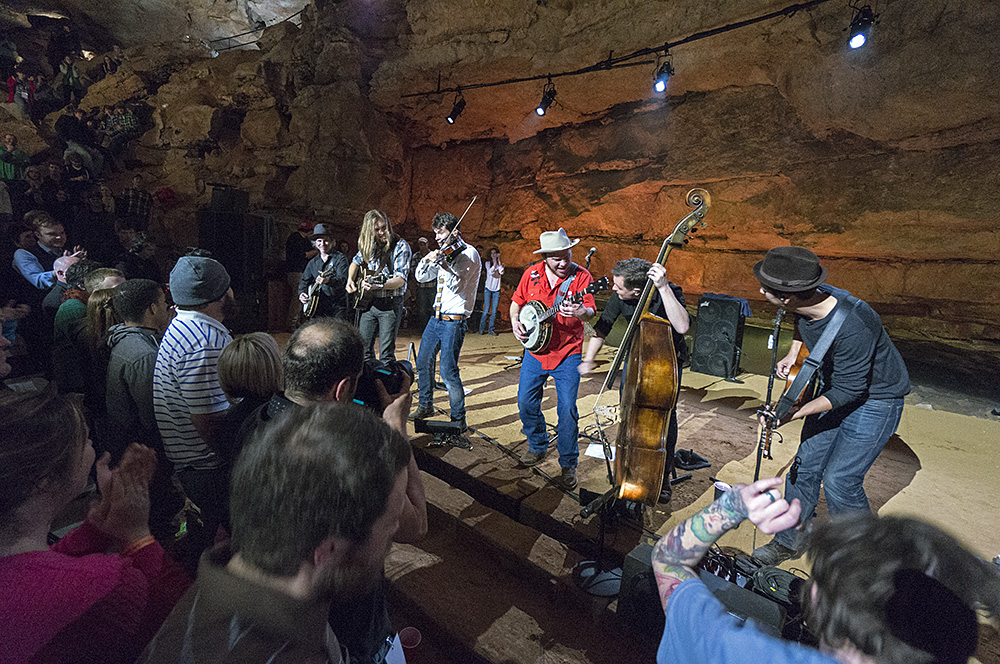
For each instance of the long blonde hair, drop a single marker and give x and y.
(367, 243)
(100, 317)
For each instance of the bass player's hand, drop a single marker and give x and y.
(783, 366)
(303, 298)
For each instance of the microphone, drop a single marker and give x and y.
(592, 251)
(598, 503)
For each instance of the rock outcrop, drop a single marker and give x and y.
(883, 160)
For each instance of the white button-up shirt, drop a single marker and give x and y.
(459, 280)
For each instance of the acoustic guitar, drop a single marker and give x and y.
(362, 298)
(310, 305)
(537, 320)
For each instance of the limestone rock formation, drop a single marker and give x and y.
(883, 160)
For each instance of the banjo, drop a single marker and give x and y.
(537, 320)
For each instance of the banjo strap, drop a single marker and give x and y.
(561, 295)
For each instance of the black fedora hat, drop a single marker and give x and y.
(321, 230)
(790, 270)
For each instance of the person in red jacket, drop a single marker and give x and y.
(73, 601)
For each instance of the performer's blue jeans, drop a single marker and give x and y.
(448, 336)
(529, 403)
(838, 447)
(491, 299)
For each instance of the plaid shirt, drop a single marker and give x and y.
(136, 204)
(124, 123)
(401, 255)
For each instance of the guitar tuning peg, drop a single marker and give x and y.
(686, 240)
(694, 229)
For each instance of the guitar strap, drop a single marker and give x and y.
(816, 354)
(561, 295)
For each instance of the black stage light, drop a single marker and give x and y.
(548, 96)
(861, 26)
(456, 108)
(664, 71)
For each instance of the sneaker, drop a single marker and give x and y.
(666, 493)
(568, 478)
(422, 413)
(530, 458)
(494, 333)
(774, 553)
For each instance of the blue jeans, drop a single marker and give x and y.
(838, 447)
(448, 337)
(383, 313)
(491, 299)
(529, 403)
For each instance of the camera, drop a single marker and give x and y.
(390, 374)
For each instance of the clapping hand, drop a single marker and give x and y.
(123, 509)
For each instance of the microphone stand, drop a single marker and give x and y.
(763, 445)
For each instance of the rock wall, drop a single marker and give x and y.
(883, 160)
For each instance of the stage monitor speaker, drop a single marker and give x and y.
(639, 600)
(718, 338)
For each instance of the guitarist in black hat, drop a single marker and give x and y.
(324, 278)
(860, 400)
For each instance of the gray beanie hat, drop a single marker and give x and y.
(197, 280)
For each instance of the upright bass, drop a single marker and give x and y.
(651, 381)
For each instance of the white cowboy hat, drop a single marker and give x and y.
(553, 241)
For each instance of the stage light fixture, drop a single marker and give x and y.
(861, 25)
(664, 70)
(548, 96)
(456, 108)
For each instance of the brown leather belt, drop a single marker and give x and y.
(451, 317)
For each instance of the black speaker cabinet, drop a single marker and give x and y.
(718, 337)
(239, 242)
(229, 200)
(639, 600)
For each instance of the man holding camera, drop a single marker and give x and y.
(457, 276)
(324, 362)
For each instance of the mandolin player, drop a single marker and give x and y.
(556, 277)
(328, 270)
(629, 278)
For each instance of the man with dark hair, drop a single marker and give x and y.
(882, 591)
(322, 364)
(142, 306)
(863, 381)
(294, 552)
(629, 277)
(544, 282)
(457, 277)
(327, 270)
(187, 399)
(139, 261)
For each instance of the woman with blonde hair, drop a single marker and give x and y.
(250, 374)
(378, 273)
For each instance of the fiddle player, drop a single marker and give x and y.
(863, 381)
(560, 358)
(457, 277)
(332, 297)
(628, 279)
(383, 254)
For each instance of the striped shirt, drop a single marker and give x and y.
(186, 383)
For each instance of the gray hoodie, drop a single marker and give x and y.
(130, 384)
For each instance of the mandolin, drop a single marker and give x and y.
(537, 320)
(309, 308)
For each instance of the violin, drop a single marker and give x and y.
(455, 244)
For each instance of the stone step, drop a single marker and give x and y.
(486, 588)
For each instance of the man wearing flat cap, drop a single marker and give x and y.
(545, 282)
(862, 382)
(328, 270)
(187, 399)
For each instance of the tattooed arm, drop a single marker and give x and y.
(677, 552)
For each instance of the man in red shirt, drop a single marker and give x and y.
(556, 277)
